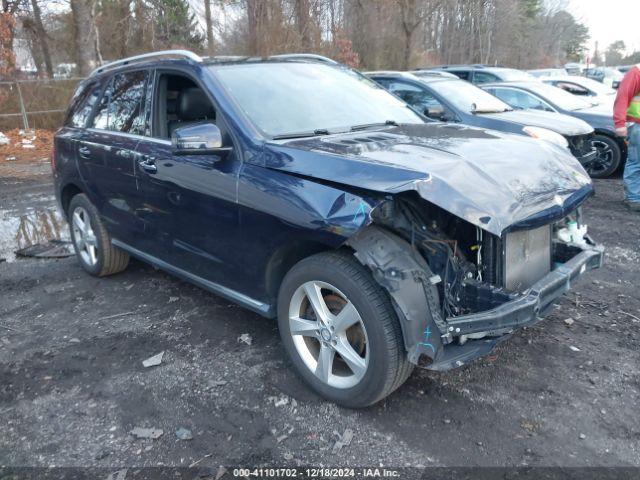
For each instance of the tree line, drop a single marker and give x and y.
(368, 34)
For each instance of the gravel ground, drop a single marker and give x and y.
(73, 387)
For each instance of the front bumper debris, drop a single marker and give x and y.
(522, 311)
(587, 158)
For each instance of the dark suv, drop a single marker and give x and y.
(301, 190)
(479, 74)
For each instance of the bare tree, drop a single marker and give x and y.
(303, 22)
(209, 26)
(7, 33)
(34, 25)
(84, 35)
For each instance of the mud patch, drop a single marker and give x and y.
(84, 364)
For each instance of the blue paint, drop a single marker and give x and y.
(427, 334)
(362, 210)
(428, 345)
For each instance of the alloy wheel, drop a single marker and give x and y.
(329, 334)
(603, 160)
(83, 236)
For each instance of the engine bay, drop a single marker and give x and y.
(476, 270)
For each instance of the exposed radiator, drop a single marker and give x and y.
(527, 257)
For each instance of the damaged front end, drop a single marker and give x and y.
(459, 289)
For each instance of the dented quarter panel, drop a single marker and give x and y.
(491, 179)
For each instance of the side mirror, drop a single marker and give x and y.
(198, 139)
(436, 112)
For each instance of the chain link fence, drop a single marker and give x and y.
(37, 103)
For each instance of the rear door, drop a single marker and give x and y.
(106, 153)
(71, 135)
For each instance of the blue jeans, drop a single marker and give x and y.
(631, 175)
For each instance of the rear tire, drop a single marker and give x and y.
(91, 241)
(349, 296)
(608, 158)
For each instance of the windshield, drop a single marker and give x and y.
(559, 97)
(468, 98)
(283, 99)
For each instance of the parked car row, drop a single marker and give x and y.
(610, 148)
(379, 238)
(479, 74)
(584, 99)
(454, 100)
(610, 77)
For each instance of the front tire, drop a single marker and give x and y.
(607, 159)
(340, 330)
(91, 241)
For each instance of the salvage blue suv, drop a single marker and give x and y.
(299, 189)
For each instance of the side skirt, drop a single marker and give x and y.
(252, 304)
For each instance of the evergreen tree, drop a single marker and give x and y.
(176, 25)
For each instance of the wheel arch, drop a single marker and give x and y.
(284, 258)
(70, 190)
(411, 285)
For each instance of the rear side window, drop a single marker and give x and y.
(572, 88)
(484, 77)
(462, 74)
(82, 105)
(123, 106)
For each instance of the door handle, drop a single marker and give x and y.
(148, 164)
(85, 152)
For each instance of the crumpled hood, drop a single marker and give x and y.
(558, 122)
(491, 179)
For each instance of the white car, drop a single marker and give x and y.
(548, 72)
(591, 90)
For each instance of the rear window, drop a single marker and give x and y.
(82, 105)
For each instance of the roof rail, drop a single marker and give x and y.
(304, 56)
(226, 58)
(148, 56)
(385, 72)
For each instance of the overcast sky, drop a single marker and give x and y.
(609, 20)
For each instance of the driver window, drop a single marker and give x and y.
(414, 96)
(180, 102)
(520, 99)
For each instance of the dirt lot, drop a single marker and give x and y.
(72, 384)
